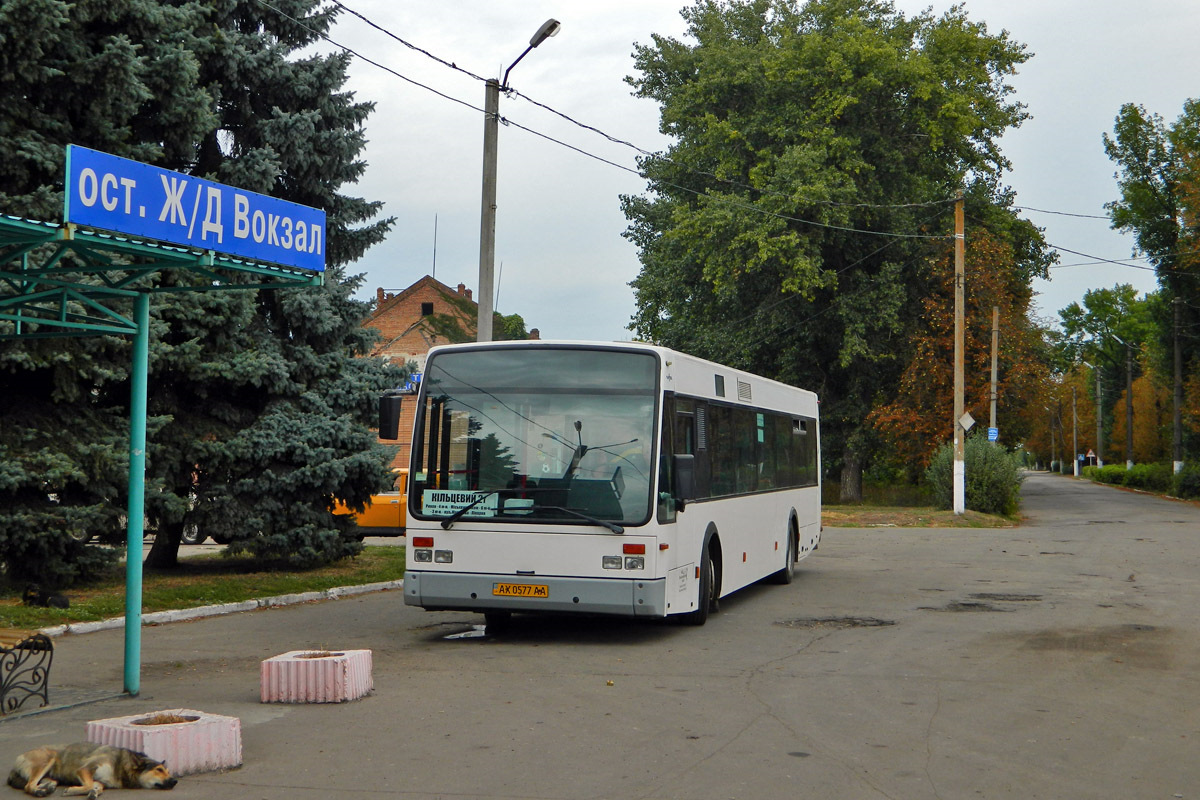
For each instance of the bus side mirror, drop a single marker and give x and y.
(389, 416)
(684, 467)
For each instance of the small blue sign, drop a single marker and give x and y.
(123, 196)
(413, 383)
(993, 434)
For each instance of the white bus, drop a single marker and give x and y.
(606, 479)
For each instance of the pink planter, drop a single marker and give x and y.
(201, 743)
(316, 676)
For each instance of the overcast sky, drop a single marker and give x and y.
(561, 262)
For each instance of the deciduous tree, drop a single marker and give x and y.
(814, 147)
(1159, 180)
(916, 418)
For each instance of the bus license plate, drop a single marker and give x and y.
(520, 590)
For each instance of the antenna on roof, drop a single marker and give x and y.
(434, 247)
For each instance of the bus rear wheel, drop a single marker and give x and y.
(785, 575)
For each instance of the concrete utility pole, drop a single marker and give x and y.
(1177, 423)
(1053, 444)
(487, 212)
(960, 480)
(1099, 417)
(1074, 435)
(1128, 406)
(995, 350)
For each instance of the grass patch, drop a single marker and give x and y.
(201, 581)
(897, 494)
(906, 517)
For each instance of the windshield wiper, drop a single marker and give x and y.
(612, 526)
(457, 515)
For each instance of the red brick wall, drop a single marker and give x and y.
(405, 331)
(406, 336)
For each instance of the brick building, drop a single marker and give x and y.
(412, 321)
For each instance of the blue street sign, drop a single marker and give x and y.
(123, 196)
(993, 434)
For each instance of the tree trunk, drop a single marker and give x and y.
(851, 490)
(164, 553)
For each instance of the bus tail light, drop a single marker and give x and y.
(423, 549)
(634, 549)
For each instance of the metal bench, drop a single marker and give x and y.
(25, 658)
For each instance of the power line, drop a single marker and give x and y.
(652, 154)
(408, 44)
(1125, 263)
(648, 153)
(744, 206)
(1061, 213)
(373, 63)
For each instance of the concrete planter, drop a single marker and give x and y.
(316, 676)
(188, 741)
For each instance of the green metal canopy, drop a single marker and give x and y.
(64, 280)
(60, 280)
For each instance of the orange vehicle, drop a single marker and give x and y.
(385, 514)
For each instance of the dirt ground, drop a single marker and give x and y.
(898, 517)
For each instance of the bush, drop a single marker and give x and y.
(1091, 473)
(1153, 477)
(993, 477)
(1112, 473)
(1186, 482)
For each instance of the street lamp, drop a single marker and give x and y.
(487, 214)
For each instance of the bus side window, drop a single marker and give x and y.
(666, 478)
(685, 434)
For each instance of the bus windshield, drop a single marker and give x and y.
(524, 434)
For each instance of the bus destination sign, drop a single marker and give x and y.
(123, 196)
(444, 503)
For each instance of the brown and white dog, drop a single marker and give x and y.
(87, 769)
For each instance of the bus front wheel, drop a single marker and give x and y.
(496, 621)
(708, 583)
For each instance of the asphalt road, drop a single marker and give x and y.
(1054, 660)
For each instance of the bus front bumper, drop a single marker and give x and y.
(443, 591)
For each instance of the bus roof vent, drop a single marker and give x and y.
(743, 390)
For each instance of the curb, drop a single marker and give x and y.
(183, 615)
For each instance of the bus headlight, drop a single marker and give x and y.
(612, 562)
(443, 556)
(635, 562)
(423, 556)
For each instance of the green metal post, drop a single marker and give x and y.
(137, 496)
